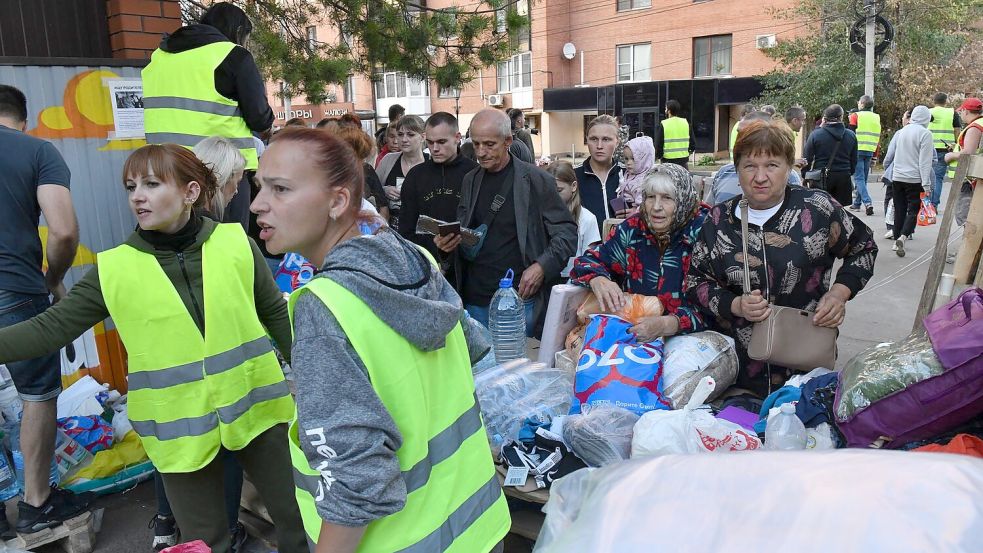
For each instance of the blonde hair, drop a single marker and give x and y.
(563, 171)
(602, 120)
(225, 160)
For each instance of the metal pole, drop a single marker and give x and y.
(869, 58)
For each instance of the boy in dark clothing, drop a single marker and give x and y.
(433, 188)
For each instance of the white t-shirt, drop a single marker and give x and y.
(758, 216)
(587, 234)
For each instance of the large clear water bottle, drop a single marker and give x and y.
(507, 321)
(785, 432)
(8, 478)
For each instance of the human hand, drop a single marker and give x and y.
(447, 243)
(391, 192)
(532, 280)
(831, 311)
(650, 328)
(58, 292)
(753, 307)
(609, 296)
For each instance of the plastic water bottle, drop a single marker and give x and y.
(785, 432)
(507, 321)
(54, 477)
(8, 478)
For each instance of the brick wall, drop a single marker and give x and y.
(136, 26)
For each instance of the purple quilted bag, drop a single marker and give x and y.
(933, 406)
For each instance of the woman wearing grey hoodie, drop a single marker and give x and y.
(910, 155)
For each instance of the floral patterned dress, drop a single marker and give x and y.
(637, 260)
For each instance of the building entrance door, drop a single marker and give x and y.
(643, 122)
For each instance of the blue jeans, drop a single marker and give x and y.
(940, 168)
(860, 179)
(480, 314)
(36, 379)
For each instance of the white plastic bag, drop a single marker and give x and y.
(79, 399)
(692, 429)
(690, 357)
(601, 435)
(847, 501)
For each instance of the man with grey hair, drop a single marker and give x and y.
(832, 150)
(523, 224)
(867, 126)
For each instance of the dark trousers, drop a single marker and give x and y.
(840, 187)
(907, 201)
(232, 475)
(198, 497)
(680, 161)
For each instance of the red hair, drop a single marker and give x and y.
(334, 158)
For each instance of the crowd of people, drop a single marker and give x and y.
(382, 448)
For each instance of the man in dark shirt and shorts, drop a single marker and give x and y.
(34, 180)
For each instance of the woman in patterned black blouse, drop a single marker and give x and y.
(795, 235)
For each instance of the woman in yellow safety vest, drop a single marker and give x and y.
(968, 143)
(192, 301)
(388, 446)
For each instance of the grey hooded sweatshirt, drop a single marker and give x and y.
(345, 430)
(912, 151)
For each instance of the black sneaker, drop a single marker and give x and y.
(239, 537)
(60, 506)
(870, 210)
(166, 533)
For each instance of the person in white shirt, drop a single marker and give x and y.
(566, 186)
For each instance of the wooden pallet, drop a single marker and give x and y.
(75, 535)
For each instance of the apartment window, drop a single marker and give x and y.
(350, 89)
(312, 37)
(399, 85)
(516, 72)
(625, 5)
(635, 62)
(712, 55)
(449, 93)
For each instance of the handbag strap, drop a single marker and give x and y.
(832, 156)
(744, 232)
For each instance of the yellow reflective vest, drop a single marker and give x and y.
(868, 131)
(454, 501)
(978, 123)
(675, 138)
(190, 394)
(181, 105)
(941, 127)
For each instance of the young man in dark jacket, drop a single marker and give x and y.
(819, 153)
(433, 188)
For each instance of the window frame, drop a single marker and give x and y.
(397, 84)
(631, 5)
(633, 69)
(711, 71)
(517, 73)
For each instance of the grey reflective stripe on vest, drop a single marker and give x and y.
(188, 104)
(228, 360)
(190, 140)
(460, 520)
(230, 413)
(668, 150)
(192, 372)
(442, 446)
(194, 426)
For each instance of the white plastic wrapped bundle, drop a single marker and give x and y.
(799, 501)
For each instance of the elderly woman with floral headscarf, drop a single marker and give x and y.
(649, 254)
(639, 158)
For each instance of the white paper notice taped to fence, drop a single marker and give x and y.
(126, 97)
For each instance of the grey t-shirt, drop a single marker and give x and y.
(25, 164)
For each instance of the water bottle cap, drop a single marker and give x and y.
(788, 408)
(507, 281)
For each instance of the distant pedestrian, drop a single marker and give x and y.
(519, 130)
(745, 111)
(833, 147)
(796, 118)
(674, 140)
(395, 166)
(910, 156)
(867, 126)
(968, 143)
(889, 186)
(945, 127)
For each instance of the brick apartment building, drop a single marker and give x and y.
(581, 58)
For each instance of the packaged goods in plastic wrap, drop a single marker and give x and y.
(601, 435)
(636, 308)
(512, 392)
(692, 429)
(92, 432)
(615, 369)
(690, 357)
(798, 501)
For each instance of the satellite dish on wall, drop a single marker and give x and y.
(569, 51)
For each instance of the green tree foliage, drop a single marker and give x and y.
(445, 45)
(817, 67)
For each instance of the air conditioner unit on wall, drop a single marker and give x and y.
(496, 100)
(766, 41)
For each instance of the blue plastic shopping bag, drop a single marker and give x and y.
(615, 369)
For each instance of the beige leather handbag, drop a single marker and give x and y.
(787, 337)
